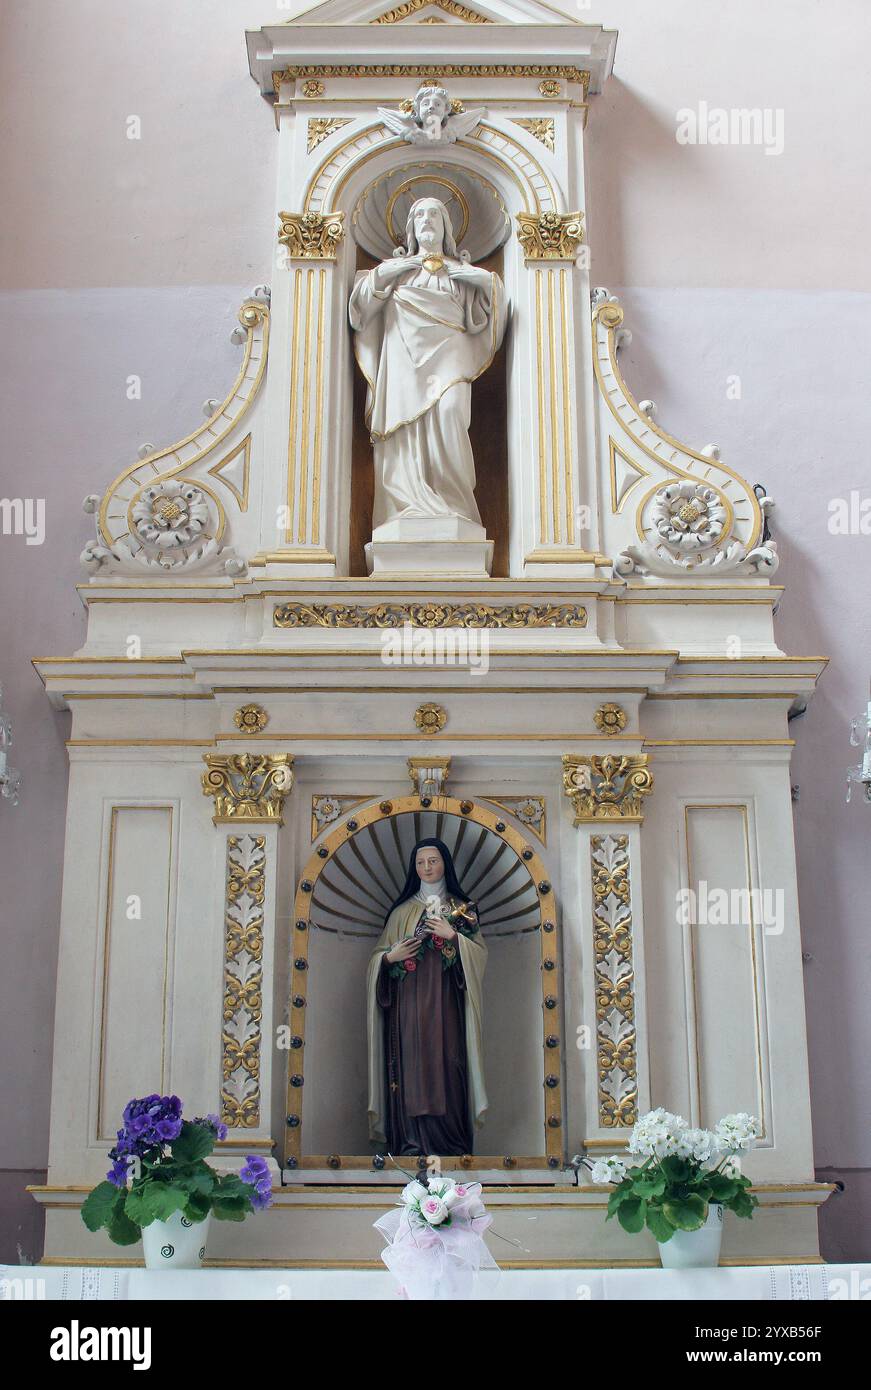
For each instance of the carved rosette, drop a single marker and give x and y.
(610, 719)
(241, 1036)
(688, 515)
(550, 236)
(431, 615)
(616, 1052)
(605, 787)
(248, 786)
(251, 719)
(309, 236)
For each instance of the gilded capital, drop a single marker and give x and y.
(605, 787)
(309, 236)
(550, 236)
(248, 787)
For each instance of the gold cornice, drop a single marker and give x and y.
(606, 787)
(433, 71)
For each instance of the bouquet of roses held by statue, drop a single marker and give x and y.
(461, 915)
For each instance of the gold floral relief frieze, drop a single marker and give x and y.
(550, 236)
(541, 128)
(320, 127)
(451, 7)
(248, 786)
(616, 1050)
(309, 236)
(429, 615)
(605, 787)
(241, 1036)
(437, 72)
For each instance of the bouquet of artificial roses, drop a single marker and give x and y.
(462, 916)
(436, 1246)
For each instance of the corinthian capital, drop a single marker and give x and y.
(248, 787)
(605, 787)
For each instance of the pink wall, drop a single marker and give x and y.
(102, 238)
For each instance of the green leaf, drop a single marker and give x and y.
(99, 1206)
(122, 1230)
(658, 1223)
(154, 1201)
(744, 1204)
(195, 1141)
(720, 1188)
(649, 1186)
(631, 1215)
(234, 1209)
(198, 1207)
(200, 1178)
(686, 1213)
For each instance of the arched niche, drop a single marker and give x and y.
(517, 181)
(344, 893)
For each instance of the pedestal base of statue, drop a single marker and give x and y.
(427, 545)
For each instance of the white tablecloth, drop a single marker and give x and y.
(760, 1283)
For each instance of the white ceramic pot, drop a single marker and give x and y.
(695, 1249)
(178, 1243)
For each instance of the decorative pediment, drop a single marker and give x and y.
(430, 11)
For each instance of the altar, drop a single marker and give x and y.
(430, 576)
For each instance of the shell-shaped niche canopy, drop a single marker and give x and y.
(366, 873)
(479, 216)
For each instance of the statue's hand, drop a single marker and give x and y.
(470, 275)
(403, 949)
(397, 266)
(439, 927)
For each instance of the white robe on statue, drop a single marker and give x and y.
(420, 341)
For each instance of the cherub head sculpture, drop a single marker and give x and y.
(431, 103)
(428, 228)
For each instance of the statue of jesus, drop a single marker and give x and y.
(427, 323)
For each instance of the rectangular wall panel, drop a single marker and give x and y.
(134, 993)
(724, 949)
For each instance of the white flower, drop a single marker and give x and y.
(433, 1210)
(737, 1133)
(608, 1170)
(413, 1192)
(700, 1144)
(657, 1133)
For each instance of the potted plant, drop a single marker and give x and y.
(680, 1184)
(161, 1189)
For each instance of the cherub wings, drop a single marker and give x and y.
(456, 126)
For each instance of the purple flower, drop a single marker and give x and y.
(168, 1129)
(218, 1126)
(256, 1173)
(117, 1174)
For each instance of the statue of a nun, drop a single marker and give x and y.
(424, 999)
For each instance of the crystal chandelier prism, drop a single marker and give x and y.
(10, 779)
(860, 737)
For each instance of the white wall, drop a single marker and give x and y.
(731, 262)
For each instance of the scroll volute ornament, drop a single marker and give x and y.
(310, 236)
(606, 787)
(248, 787)
(550, 236)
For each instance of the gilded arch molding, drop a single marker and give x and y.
(552, 1042)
